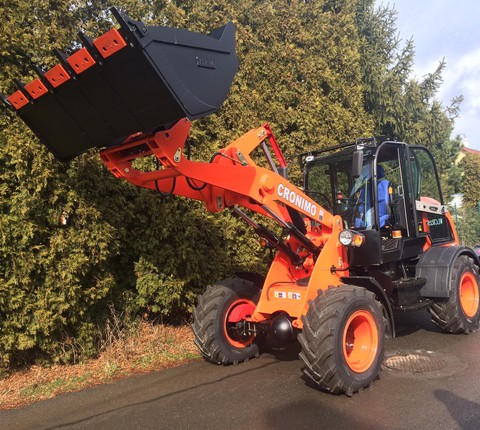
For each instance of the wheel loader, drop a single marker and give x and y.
(368, 234)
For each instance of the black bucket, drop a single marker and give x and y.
(135, 79)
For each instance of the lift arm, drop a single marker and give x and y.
(230, 179)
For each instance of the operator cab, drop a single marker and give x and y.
(388, 190)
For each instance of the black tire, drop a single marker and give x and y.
(217, 339)
(461, 312)
(332, 344)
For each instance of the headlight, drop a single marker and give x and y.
(351, 238)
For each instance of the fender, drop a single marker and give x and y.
(435, 266)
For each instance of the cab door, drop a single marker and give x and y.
(427, 200)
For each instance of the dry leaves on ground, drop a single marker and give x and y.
(150, 348)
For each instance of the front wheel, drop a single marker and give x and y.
(215, 319)
(461, 312)
(343, 339)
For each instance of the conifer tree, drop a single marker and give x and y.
(471, 173)
(405, 107)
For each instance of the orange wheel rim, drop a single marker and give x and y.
(360, 341)
(238, 311)
(469, 294)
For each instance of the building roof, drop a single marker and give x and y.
(470, 151)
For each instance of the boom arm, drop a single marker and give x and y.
(231, 178)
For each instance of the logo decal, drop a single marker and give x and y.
(435, 221)
(296, 200)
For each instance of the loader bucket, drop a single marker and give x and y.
(132, 79)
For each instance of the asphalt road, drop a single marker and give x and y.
(434, 384)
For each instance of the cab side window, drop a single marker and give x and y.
(431, 219)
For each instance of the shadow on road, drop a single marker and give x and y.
(313, 415)
(465, 412)
(407, 323)
(288, 353)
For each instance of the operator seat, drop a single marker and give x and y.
(383, 185)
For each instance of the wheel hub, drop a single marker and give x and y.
(469, 296)
(360, 341)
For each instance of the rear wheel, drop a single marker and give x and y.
(461, 312)
(343, 339)
(215, 319)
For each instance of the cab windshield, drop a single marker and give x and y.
(329, 181)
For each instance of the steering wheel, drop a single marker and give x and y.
(347, 206)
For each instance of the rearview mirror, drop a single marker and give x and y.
(357, 163)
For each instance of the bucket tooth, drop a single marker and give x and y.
(36, 88)
(80, 61)
(21, 87)
(41, 74)
(110, 43)
(128, 24)
(57, 76)
(18, 99)
(87, 42)
(62, 57)
(5, 101)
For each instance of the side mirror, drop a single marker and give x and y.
(357, 163)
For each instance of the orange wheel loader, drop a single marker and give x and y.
(366, 236)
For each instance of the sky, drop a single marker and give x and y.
(450, 30)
